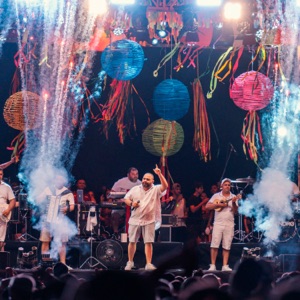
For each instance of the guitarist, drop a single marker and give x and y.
(7, 203)
(225, 205)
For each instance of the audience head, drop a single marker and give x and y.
(251, 278)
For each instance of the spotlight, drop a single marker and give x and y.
(211, 3)
(282, 131)
(154, 41)
(162, 33)
(96, 8)
(123, 2)
(232, 11)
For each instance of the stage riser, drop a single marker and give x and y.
(78, 252)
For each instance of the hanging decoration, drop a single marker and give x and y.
(201, 139)
(171, 99)
(123, 60)
(163, 138)
(22, 110)
(251, 91)
(117, 108)
(223, 65)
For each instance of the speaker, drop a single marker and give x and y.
(4, 260)
(165, 233)
(289, 262)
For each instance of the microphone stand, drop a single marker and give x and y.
(240, 230)
(226, 162)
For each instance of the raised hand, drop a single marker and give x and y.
(157, 170)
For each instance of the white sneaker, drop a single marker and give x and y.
(226, 268)
(212, 268)
(150, 267)
(129, 265)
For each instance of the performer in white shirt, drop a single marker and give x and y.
(7, 203)
(145, 204)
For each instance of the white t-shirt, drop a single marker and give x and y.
(226, 215)
(149, 210)
(6, 193)
(124, 185)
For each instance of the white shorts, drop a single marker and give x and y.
(147, 231)
(3, 228)
(222, 233)
(45, 236)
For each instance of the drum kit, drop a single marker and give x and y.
(290, 229)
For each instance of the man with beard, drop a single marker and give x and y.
(144, 201)
(123, 185)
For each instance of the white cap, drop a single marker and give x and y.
(225, 179)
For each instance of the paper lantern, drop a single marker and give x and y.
(21, 110)
(171, 99)
(123, 60)
(163, 138)
(252, 91)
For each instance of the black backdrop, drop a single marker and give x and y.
(101, 161)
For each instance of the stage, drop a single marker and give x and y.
(113, 255)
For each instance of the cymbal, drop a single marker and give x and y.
(248, 180)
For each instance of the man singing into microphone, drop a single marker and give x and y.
(144, 200)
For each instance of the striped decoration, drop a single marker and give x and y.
(251, 91)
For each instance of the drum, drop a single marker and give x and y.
(288, 230)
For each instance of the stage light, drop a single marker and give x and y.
(211, 3)
(162, 33)
(232, 11)
(123, 2)
(154, 42)
(282, 131)
(97, 8)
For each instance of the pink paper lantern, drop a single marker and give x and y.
(251, 91)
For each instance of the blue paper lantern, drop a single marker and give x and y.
(171, 99)
(123, 59)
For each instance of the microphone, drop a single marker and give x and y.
(232, 148)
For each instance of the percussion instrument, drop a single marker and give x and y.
(288, 230)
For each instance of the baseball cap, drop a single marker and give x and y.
(225, 179)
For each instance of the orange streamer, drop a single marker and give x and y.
(201, 141)
(251, 122)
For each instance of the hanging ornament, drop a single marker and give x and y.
(251, 91)
(123, 59)
(22, 110)
(171, 99)
(163, 138)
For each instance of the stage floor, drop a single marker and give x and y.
(113, 255)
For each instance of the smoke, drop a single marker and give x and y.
(58, 35)
(270, 204)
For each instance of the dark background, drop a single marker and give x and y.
(102, 162)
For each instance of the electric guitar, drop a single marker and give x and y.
(225, 201)
(3, 207)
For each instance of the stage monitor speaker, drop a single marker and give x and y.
(4, 260)
(289, 262)
(161, 253)
(165, 233)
